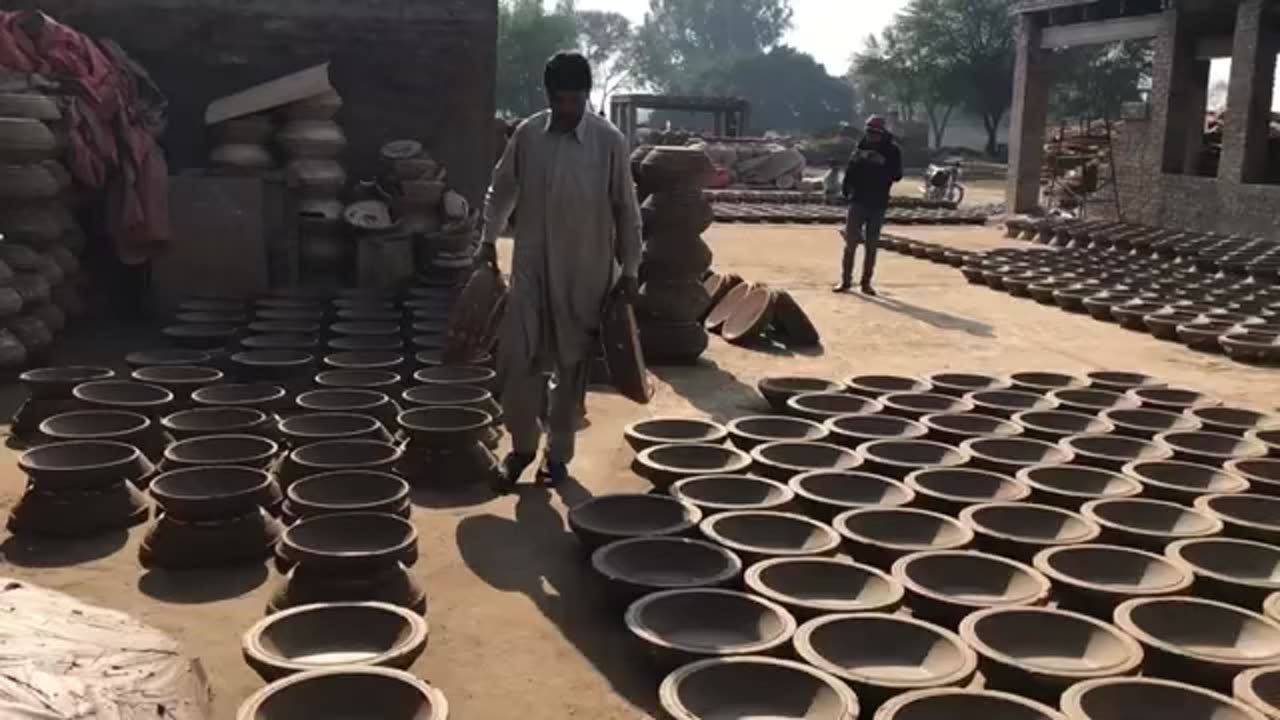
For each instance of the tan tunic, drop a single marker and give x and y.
(577, 221)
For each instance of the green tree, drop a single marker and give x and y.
(681, 39)
(527, 35)
(1092, 82)
(607, 39)
(898, 73)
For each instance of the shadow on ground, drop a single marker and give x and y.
(39, 552)
(202, 586)
(935, 318)
(535, 555)
(712, 390)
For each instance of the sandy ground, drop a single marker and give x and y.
(517, 624)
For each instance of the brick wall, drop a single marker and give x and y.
(406, 68)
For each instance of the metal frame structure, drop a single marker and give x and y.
(732, 116)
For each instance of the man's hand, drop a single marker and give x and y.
(630, 288)
(486, 254)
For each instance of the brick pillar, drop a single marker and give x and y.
(1253, 71)
(1031, 79)
(1178, 96)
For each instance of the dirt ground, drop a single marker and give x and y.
(517, 625)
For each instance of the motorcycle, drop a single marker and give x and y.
(942, 183)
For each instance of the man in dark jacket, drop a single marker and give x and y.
(873, 169)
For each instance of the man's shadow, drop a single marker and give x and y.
(935, 318)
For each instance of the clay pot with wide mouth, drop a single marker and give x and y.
(346, 691)
(1091, 402)
(1111, 452)
(776, 391)
(1054, 426)
(301, 430)
(259, 396)
(1149, 524)
(943, 587)
(83, 465)
(167, 356)
(645, 434)
(1007, 403)
(314, 637)
(1120, 381)
(383, 381)
(761, 686)
(810, 587)
(854, 431)
(444, 428)
(961, 384)
(1172, 399)
(350, 543)
(1259, 690)
(759, 535)
(120, 426)
(149, 400)
(333, 455)
(622, 516)
(1021, 530)
(1044, 383)
(826, 493)
(747, 433)
(913, 406)
(458, 375)
(284, 327)
(663, 465)
(368, 360)
(201, 336)
(954, 428)
(294, 342)
(1071, 486)
(820, 407)
(881, 536)
(1039, 653)
(680, 626)
(213, 493)
(1211, 449)
(1261, 474)
(877, 386)
(180, 380)
(1116, 698)
(1233, 421)
(1146, 424)
(1095, 579)
(1239, 572)
(731, 493)
(57, 383)
(1200, 641)
(288, 367)
(1011, 455)
(66, 514)
(638, 566)
(1270, 439)
(1244, 516)
(784, 460)
(348, 491)
(897, 459)
(352, 401)
(1183, 482)
(951, 490)
(366, 343)
(187, 424)
(251, 451)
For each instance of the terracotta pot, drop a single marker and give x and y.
(394, 585)
(639, 566)
(623, 516)
(251, 451)
(1021, 530)
(83, 465)
(217, 421)
(675, 627)
(366, 634)
(881, 536)
(351, 543)
(68, 513)
(110, 425)
(332, 455)
(214, 493)
(259, 396)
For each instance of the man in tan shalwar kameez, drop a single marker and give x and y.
(577, 229)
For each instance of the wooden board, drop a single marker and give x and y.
(270, 94)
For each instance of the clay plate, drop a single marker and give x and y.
(622, 516)
(755, 687)
(324, 635)
(813, 586)
(756, 536)
(347, 692)
(945, 586)
(638, 566)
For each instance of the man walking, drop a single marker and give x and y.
(873, 169)
(568, 172)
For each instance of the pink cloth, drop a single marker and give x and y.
(109, 139)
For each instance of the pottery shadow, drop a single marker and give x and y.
(935, 318)
(447, 498)
(771, 346)
(713, 390)
(194, 587)
(44, 552)
(536, 555)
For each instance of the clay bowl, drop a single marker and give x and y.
(622, 516)
(645, 434)
(112, 425)
(1145, 424)
(216, 421)
(124, 395)
(680, 626)
(663, 465)
(301, 430)
(820, 407)
(284, 327)
(1020, 530)
(881, 656)
(1200, 641)
(747, 433)
(954, 428)
(951, 490)
(1070, 486)
(366, 343)
(1259, 690)
(1175, 400)
(365, 328)
(295, 342)
(945, 586)
(1095, 579)
(58, 382)
(1043, 383)
(1121, 382)
(458, 375)
(897, 459)
(331, 455)
(1239, 572)
(876, 386)
(1039, 653)
(881, 536)
(181, 380)
(1270, 439)
(1116, 699)
(200, 336)
(384, 381)
(755, 687)
(359, 402)
(1261, 474)
(778, 390)
(167, 356)
(1053, 426)
(322, 635)
(757, 535)
(1149, 524)
(349, 491)
(1009, 456)
(853, 431)
(1182, 482)
(1112, 452)
(638, 566)
(1210, 448)
(201, 494)
(1007, 403)
(961, 384)
(827, 493)
(1248, 517)
(350, 542)
(1233, 421)
(914, 406)
(248, 450)
(784, 460)
(730, 493)
(368, 360)
(1091, 402)
(383, 693)
(444, 427)
(83, 465)
(812, 586)
(257, 395)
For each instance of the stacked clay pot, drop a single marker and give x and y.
(312, 142)
(440, 221)
(446, 445)
(241, 146)
(50, 393)
(673, 300)
(81, 488)
(212, 516)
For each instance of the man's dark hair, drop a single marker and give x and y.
(568, 72)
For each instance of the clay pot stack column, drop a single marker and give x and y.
(80, 489)
(672, 299)
(441, 221)
(312, 140)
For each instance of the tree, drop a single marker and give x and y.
(899, 74)
(681, 39)
(527, 36)
(606, 39)
(1092, 82)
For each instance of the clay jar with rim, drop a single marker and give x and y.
(347, 491)
(149, 400)
(943, 587)
(186, 424)
(181, 380)
(260, 396)
(356, 402)
(469, 396)
(446, 447)
(50, 393)
(332, 455)
(373, 691)
(300, 430)
(1095, 579)
(120, 426)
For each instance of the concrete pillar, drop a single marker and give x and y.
(1253, 71)
(1179, 87)
(1031, 79)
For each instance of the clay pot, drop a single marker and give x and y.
(1115, 698)
(1248, 517)
(458, 375)
(961, 384)
(955, 428)
(1095, 579)
(899, 458)
(914, 406)
(1239, 572)
(1021, 530)
(392, 584)
(366, 343)
(731, 493)
(757, 535)
(83, 465)
(663, 465)
(777, 391)
(645, 434)
(208, 450)
(309, 637)
(1233, 421)
(285, 367)
(1121, 382)
(820, 407)
(784, 460)
(810, 587)
(180, 380)
(623, 516)
(853, 431)
(1091, 402)
(951, 490)
(1254, 689)
(1210, 449)
(1070, 486)
(349, 491)
(259, 396)
(302, 430)
(350, 543)
(759, 686)
(639, 566)
(78, 513)
(1270, 439)
(1044, 383)
(200, 336)
(680, 626)
(214, 493)
(1171, 399)
(881, 536)
(369, 360)
(945, 586)
(877, 386)
(825, 494)
(137, 397)
(1008, 403)
(111, 425)
(57, 383)
(1011, 455)
(1149, 524)
(747, 433)
(1054, 426)
(217, 421)
(1182, 482)
(1146, 424)
(333, 455)
(357, 402)
(382, 692)
(1262, 476)
(156, 358)
(1110, 452)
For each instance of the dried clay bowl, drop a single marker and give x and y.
(247, 450)
(347, 491)
(1146, 423)
(180, 380)
(1071, 486)
(945, 586)
(323, 635)
(458, 375)
(784, 460)
(1119, 698)
(877, 386)
(174, 543)
(1092, 402)
(961, 384)
(778, 390)
(125, 395)
(381, 380)
(1240, 572)
(957, 703)
(638, 566)
(1262, 475)
(120, 426)
(1043, 383)
(1053, 426)
(1259, 690)
(914, 406)
(955, 428)
(58, 382)
(681, 626)
(645, 434)
(256, 395)
(359, 402)
(1183, 482)
(663, 465)
(1094, 579)
(1038, 653)
(826, 493)
(1111, 452)
(729, 493)
(1210, 448)
(274, 365)
(1010, 455)
(951, 490)
(330, 455)
(347, 692)
(1248, 517)
(83, 465)
(812, 586)
(78, 513)
(1199, 641)
(444, 427)
(747, 433)
(756, 536)
(1170, 399)
(1149, 524)
(608, 518)
(1270, 439)
(188, 424)
(301, 430)
(821, 407)
(755, 687)
(350, 542)
(1007, 403)
(881, 536)
(1233, 421)
(854, 431)
(367, 360)
(1020, 530)
(1121, 382)
(211, 493)
(881, 656)
(168, 356)
(899, 458)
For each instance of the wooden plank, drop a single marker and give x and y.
(270, 94)
(1100, 32)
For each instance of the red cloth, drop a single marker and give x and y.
(109, 140)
